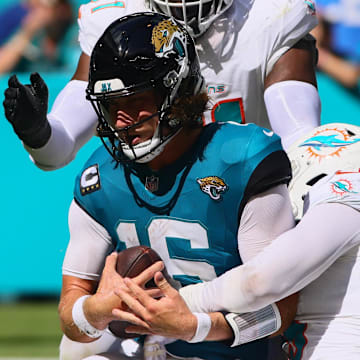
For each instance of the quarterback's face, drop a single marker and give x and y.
(128, 115)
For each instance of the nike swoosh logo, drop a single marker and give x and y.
(268, 133)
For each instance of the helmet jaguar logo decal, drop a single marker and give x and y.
(328, 142)
(342, 186)
(166, 36)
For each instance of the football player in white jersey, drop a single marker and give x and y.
(256, 57)
(320, 256)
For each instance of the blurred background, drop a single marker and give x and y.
(41, 35)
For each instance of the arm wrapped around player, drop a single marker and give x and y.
(170, 317)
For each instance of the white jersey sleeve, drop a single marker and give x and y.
(72, 125)
(241, 48)
(295, 19)
(258, 226)
(286, 266)
(96, 16)
(88, 247)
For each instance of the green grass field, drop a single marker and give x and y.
(29, 329)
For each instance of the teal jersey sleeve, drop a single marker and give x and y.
(253, 160)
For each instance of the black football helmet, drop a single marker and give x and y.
(195, 15)
(136, 53)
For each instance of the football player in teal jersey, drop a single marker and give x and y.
(206, 198)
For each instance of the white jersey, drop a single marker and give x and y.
(236, 53)
(329, 308)
(96, 16)
(320, 257)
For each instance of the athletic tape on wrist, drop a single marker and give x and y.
(203, 327)
(80, 320)
(255, 325)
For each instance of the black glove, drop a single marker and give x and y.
(26, 108)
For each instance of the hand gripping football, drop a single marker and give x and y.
(130, 263)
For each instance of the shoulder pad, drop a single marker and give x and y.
(234, 134)
(248, 141)
(291, 22)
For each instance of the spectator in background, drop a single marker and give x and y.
(57, 30)
(31, 31)
(338, 40)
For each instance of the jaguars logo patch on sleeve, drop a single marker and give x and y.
(90, 180)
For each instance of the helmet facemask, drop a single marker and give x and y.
(195, 15)
(121, 147)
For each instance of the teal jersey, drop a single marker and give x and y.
(189, 211)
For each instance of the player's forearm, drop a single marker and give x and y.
(57, 152)
(74, 288)
(284, 267)
(287, 309)
(220, 329)
(293, 109)
(242, 331)
(291, 98)
(66, 320)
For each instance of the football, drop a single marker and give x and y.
(130, 263)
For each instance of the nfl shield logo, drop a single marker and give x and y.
(152, 183)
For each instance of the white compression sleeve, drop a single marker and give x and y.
(287, 265)
(73, 122)
(85, 233)
(265, 217)
(293, 109)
